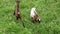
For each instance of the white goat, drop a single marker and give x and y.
(34, 16)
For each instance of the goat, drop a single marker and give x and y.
(17, 13)
(34, 16)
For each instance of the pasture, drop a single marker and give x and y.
(48, 10)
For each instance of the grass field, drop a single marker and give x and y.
(48, 10)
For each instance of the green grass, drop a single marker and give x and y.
(48, 10)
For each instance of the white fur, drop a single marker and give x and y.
(39, 19)
(32, 14)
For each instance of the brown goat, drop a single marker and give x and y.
(16, 12)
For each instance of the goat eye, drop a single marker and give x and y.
(38, 19)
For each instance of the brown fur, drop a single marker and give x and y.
(16, 12)
(35, 18)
